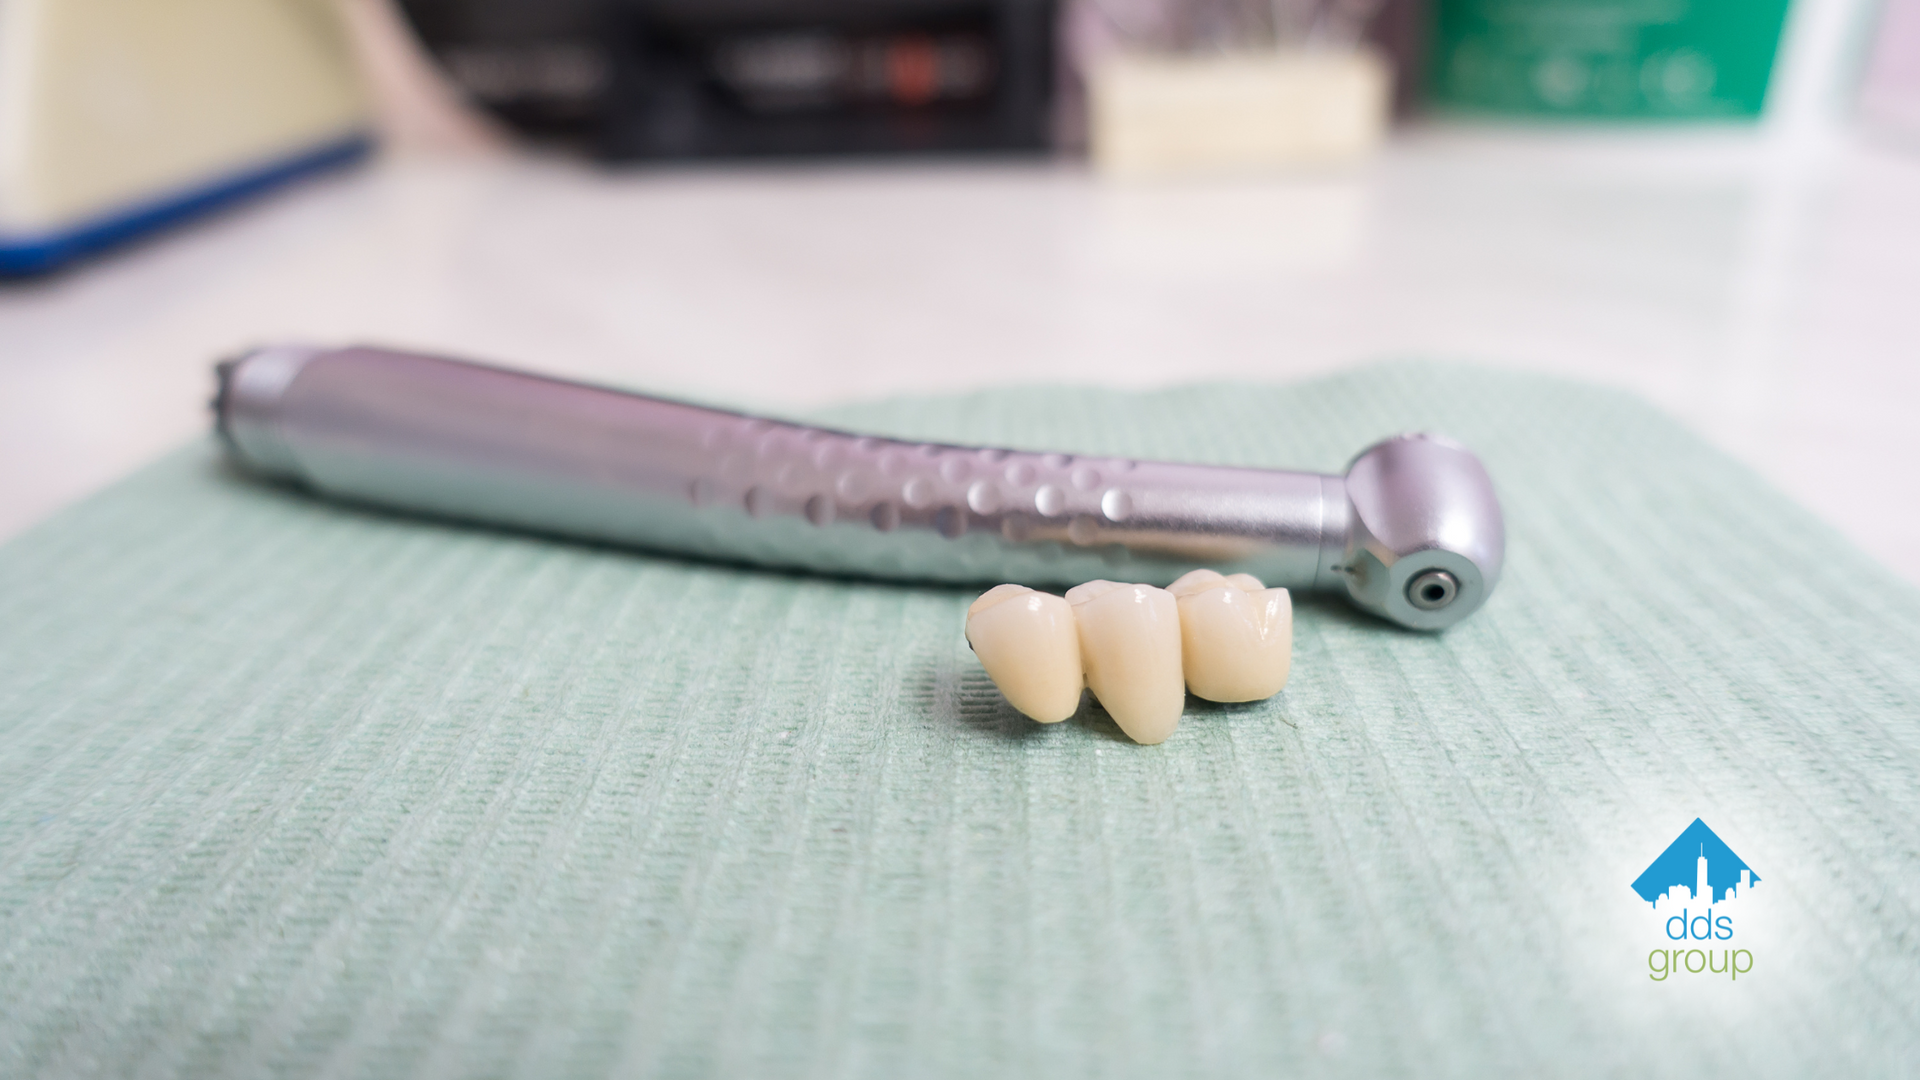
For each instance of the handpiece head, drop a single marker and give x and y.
(1426, 538)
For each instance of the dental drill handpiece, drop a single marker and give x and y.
(1412, 532)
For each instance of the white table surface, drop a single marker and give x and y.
(1767, 293)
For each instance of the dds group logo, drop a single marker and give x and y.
(1699, 888)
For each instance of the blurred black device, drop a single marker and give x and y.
(667, 79)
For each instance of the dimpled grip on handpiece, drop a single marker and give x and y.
(484, 444)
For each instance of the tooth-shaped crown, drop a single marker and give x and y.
(1030, 645)
(1236, 636)
(1130, 646)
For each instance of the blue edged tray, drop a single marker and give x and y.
(37, 253)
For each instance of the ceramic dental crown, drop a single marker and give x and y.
(1137, 647)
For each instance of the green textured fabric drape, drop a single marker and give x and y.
(290, 788)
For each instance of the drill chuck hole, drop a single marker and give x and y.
(1432, 590)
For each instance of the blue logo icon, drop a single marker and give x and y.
(1696, 868)
(1697, 887)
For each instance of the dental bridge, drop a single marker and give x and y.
(1412, 532)
(1138, 648)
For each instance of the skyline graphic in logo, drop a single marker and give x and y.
(1697, 867)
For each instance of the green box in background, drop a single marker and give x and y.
(1627, 59)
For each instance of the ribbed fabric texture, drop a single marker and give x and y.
(289, 788)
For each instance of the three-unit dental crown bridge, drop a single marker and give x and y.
(1140, 649)
(1411, 532)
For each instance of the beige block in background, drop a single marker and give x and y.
(1236, 111)
(105, 104)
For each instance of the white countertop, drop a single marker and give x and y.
(1767, 294)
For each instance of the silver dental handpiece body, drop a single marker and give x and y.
(1412, 531)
